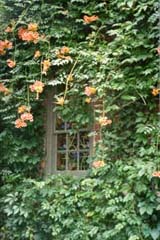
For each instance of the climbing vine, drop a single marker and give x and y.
(90, 53)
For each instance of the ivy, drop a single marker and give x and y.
(93, 207)
(109, 48)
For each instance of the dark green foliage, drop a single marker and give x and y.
(116, 202)
(117, 55)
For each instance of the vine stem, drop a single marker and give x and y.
(14, 39)
(67, 81)
(41, 68)
(28, 97)
(21, 17)
(103, 110)
(72, 69)
(143, 99)
(95, 37)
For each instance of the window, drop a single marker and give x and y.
(67, 150)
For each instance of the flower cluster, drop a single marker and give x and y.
(70, 78)
(37, 54)
(19, 123)
(88, 100)
(37, 87)
(11, 63)
(60, 101)
(29, 34)
(8, 29)
(22, 109)
(4, 45)
(3, 89)
(33, 27)
(158, 50)
(156, 174)
(89, 91)
(90, 19)
(25, 117)
(98, 164)
(103, 121)
(156, 91)
(46, 65)
(63, 53)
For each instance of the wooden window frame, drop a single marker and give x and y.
(51, 143)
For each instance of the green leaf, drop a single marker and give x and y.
(155, 233)
(134, 237)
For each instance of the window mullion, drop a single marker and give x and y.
(67, 153)
(78, 143)
(56, 151)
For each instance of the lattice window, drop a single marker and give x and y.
(67, 150)
(72, 148)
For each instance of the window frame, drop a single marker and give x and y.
(51, 143)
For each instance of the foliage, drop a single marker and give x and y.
(20, 152)
(112, 202)
(114, 52)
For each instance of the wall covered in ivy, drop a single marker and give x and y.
(92, 51)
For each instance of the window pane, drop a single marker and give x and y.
(72, 142)
(69, 126)
(61, 141)
(72, 147)
(60, 125)
(83, 140)
(61, 161)
(72, 161)
(83, 156)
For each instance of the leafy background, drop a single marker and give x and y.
(117, 55)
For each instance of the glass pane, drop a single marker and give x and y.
(72, 142)
(60, 125)
(61, 141)
(83, 140)
(83, 156)
(72, 161)
(69, 125)
(61, 161)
